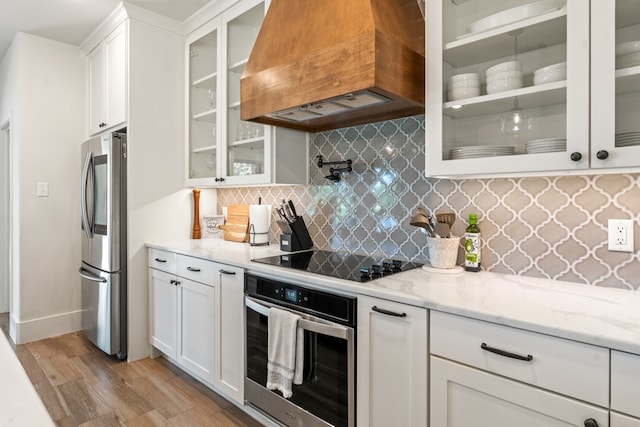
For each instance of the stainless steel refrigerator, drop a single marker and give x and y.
(104, 242)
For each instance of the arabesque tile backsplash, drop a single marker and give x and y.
(552, 227)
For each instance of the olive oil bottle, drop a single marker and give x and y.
(472, 245)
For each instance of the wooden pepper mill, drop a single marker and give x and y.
(196, 214)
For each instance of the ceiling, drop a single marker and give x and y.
(71, 21)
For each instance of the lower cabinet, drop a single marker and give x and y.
(229, 331)
(391, 364)
(196, 321)
(197, 318)
(462, 396)
(625, 381)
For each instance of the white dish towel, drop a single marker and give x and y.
(285, 351)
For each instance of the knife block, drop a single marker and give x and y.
(299, 239)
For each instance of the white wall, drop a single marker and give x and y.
(160, 208)
(4, 217)
(47, 101)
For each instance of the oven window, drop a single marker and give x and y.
(324, 388)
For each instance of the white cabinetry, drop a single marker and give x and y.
(182, 311)
(222, 149)
(197, 318)
(392, 364)
(584, 121)
(229, 331)
(488, 374)
(625, 380)
(107, 82)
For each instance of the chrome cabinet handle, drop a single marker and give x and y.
(527, 358)
(387, 312)
(223, 271)
(195, 270)
(160, 260)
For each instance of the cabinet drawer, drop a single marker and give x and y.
(163, 260)
(625, 380)
(568, 367)
(196, 269)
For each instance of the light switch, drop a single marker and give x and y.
(43, 189)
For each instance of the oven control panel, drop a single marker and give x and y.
(324, 304)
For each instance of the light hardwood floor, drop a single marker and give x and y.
(81, 386)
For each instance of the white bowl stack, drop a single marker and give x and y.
(628, 54)
(463, 86)
(550, 73)
(504, 76)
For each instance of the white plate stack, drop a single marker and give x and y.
(550, 73)
(504, 76)
(546, 145)
(627, 139)
(628, 54)
(475, 151)
(462, 86)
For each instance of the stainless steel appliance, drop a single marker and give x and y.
(104, 242)
(326, 396)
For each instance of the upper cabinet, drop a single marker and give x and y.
(615, 83)
(107, 82)
(515, 86)
(223, 150)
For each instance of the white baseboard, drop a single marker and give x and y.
(45, 327)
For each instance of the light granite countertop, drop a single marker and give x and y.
(596, 315)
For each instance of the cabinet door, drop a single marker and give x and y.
(461, 396)
(247, 145)
(96, 89)
(392, 364)
(163, 293)
(619, 420)
(230, 331)
(196, 323)
(203, 99)
(615, 83)
(519, 118)
(116, 84)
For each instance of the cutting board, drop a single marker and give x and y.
(236, 227)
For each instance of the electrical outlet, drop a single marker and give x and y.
(621, 235)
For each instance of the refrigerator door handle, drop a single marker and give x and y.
(86, 275)
(84, 208)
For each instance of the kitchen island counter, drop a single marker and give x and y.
(596, 315)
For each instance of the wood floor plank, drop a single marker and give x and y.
(167, 400)
(150, 419)
(59, 369)
(124, 401)
(30, 364)
(196, 417)
(199, 400)
(81, 406)
(44, 348)
(49, 396)
(74, 344)
(110, 420)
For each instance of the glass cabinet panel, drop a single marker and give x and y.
(627, 72)
(245, 140)
(510, 73)
(203, 102)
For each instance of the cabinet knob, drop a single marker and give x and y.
(590, 422)
(602, 154)
(576, 156)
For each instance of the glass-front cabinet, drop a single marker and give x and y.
(615, 83)
(507, 86)
(223, 150)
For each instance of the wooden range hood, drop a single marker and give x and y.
(326, 64)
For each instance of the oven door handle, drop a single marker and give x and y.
(309, 323)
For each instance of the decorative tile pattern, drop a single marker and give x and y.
(553, 227)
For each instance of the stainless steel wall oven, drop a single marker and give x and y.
(326, 396)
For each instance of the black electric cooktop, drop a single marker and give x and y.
(358, 268)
